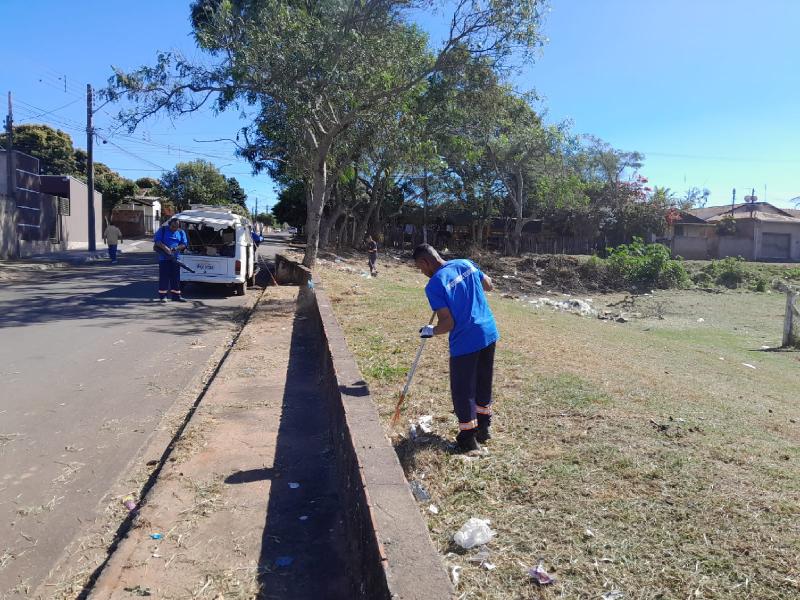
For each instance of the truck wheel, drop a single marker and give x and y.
(240, 289)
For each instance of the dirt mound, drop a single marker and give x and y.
(532, 272)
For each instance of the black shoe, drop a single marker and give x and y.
(466, 441)
(482, 434)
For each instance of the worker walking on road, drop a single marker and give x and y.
(170, 240)
(372, 249)
(456, 293)
(112, 236)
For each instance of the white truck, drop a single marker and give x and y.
(221, 248)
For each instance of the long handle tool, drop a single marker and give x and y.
(402, 398)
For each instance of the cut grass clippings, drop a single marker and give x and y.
(640, 457)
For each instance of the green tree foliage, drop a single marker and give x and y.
(314, 71)
(195, 182)
(266, 219)
(236, 194)
(291, 206)
(52, 147)
(147, 183)
(113, 186)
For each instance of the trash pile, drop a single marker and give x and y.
(572, 305)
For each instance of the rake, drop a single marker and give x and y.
(402, 398)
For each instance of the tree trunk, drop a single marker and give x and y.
(376, 194)
(316, 203)
(327, 224)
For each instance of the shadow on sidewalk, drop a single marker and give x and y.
(303, 543)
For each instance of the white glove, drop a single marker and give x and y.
(426, 332)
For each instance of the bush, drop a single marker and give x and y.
(729, 272)
(643, 265)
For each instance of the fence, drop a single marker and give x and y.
(791, 324)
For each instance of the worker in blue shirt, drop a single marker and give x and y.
(456, 293)
(170, 240)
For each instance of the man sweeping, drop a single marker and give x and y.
(456, 293)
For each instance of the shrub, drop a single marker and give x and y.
(643, 265)
(729, 271)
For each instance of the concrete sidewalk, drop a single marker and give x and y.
(247, 504)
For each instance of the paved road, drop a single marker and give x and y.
(88, 365)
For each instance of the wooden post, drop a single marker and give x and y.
(788, 336)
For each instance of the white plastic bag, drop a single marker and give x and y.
(475, 532)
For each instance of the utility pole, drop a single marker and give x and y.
(12, 187)
(11, 171)
(90, 166)
(733, 200)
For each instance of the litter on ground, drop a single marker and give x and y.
(540, 576)
(294, 485)
(419, 491)
(475, 532)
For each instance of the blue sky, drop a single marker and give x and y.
(707, 89)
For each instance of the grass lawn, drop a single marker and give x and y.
(640, 457)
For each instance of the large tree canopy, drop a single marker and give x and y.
(314, 70)
(52, 147)
(196, 182)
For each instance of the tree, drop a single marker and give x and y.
(196, 182)
(291, 206)
(266, 219)
(313, 70)
(113, 186)
(695, 198)
(146, 183)
(235, 192)
(52, 147)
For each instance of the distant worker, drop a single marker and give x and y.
(456, 292)
(169, 241)
(112, 236)
(372, 250)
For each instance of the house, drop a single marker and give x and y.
(42, 213)
(753, 230)
(72, 198)
(138, 216)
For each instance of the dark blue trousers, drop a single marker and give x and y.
(169, 279)
(471, 387)
(112, 252)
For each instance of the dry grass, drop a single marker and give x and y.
(641, 457)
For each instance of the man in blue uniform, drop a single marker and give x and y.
(456, 292)
(170, 240)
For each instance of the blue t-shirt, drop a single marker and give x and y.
(457, 286)
(171, 239)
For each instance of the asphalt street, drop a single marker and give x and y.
(89, 363)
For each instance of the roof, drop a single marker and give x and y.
(759, 211)
(146, 200)
(216, 217)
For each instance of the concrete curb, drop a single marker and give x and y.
(389, 539)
